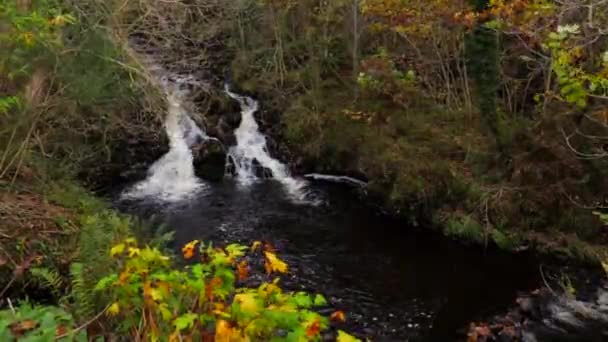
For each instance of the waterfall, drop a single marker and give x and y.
(251, 150)
(172, 178)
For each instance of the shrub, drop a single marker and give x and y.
(152, 299)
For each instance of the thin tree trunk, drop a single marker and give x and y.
(356, 46)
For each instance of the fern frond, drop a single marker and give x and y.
(81, 295)
(48, 278)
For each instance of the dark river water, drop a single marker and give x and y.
(394, 282)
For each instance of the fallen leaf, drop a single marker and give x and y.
(274, 264)
(338, 316)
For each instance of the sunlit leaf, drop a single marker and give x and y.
(133, 251)
(224, 332)
(274, 264)
(319, 300)
(165, 312)
(313, 329)
(118, 249)
(344, 337)
(338, 316)
(302, 299)
(248, 302)
(114, 309)
(242, 270)
(255, 246)
(184, 321)
(189, 248)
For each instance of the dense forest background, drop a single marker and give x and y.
(486, 120)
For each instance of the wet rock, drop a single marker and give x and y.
(526, 305)
(210, 160)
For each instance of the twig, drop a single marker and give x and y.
(10, 283)
(84, 325)
(542, 275)
(10, 305)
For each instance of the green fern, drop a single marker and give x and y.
(81, 295)
(8, 103)
(48, 278)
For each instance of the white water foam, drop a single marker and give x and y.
(251, 148)
(172, 178)
(336, 179)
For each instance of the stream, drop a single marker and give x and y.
(394, 282)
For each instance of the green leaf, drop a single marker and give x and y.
(319, 300)
(302, 300)
(185, 321)
(105, 281)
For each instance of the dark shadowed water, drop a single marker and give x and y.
(395, 283)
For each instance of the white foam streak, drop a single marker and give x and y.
(336, 179)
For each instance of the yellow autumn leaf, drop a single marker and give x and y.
(118, 249)
(344, 337)
(114, 309)
(131, 241)
(133, 251)
(156, 294)
(189, 248)
(224, 332)
(255, 246)
(605, 266)
(274, 264)
(28, 38)
(248, 302)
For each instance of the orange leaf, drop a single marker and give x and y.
(20, 328)
(242, 270)
(338, 316)
(60, 330)
(189, 248)
(215, 282)
(314, 329)
(224, 332)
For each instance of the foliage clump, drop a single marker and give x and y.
(202, 301)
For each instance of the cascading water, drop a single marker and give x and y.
(172, 178)
(251, 148)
